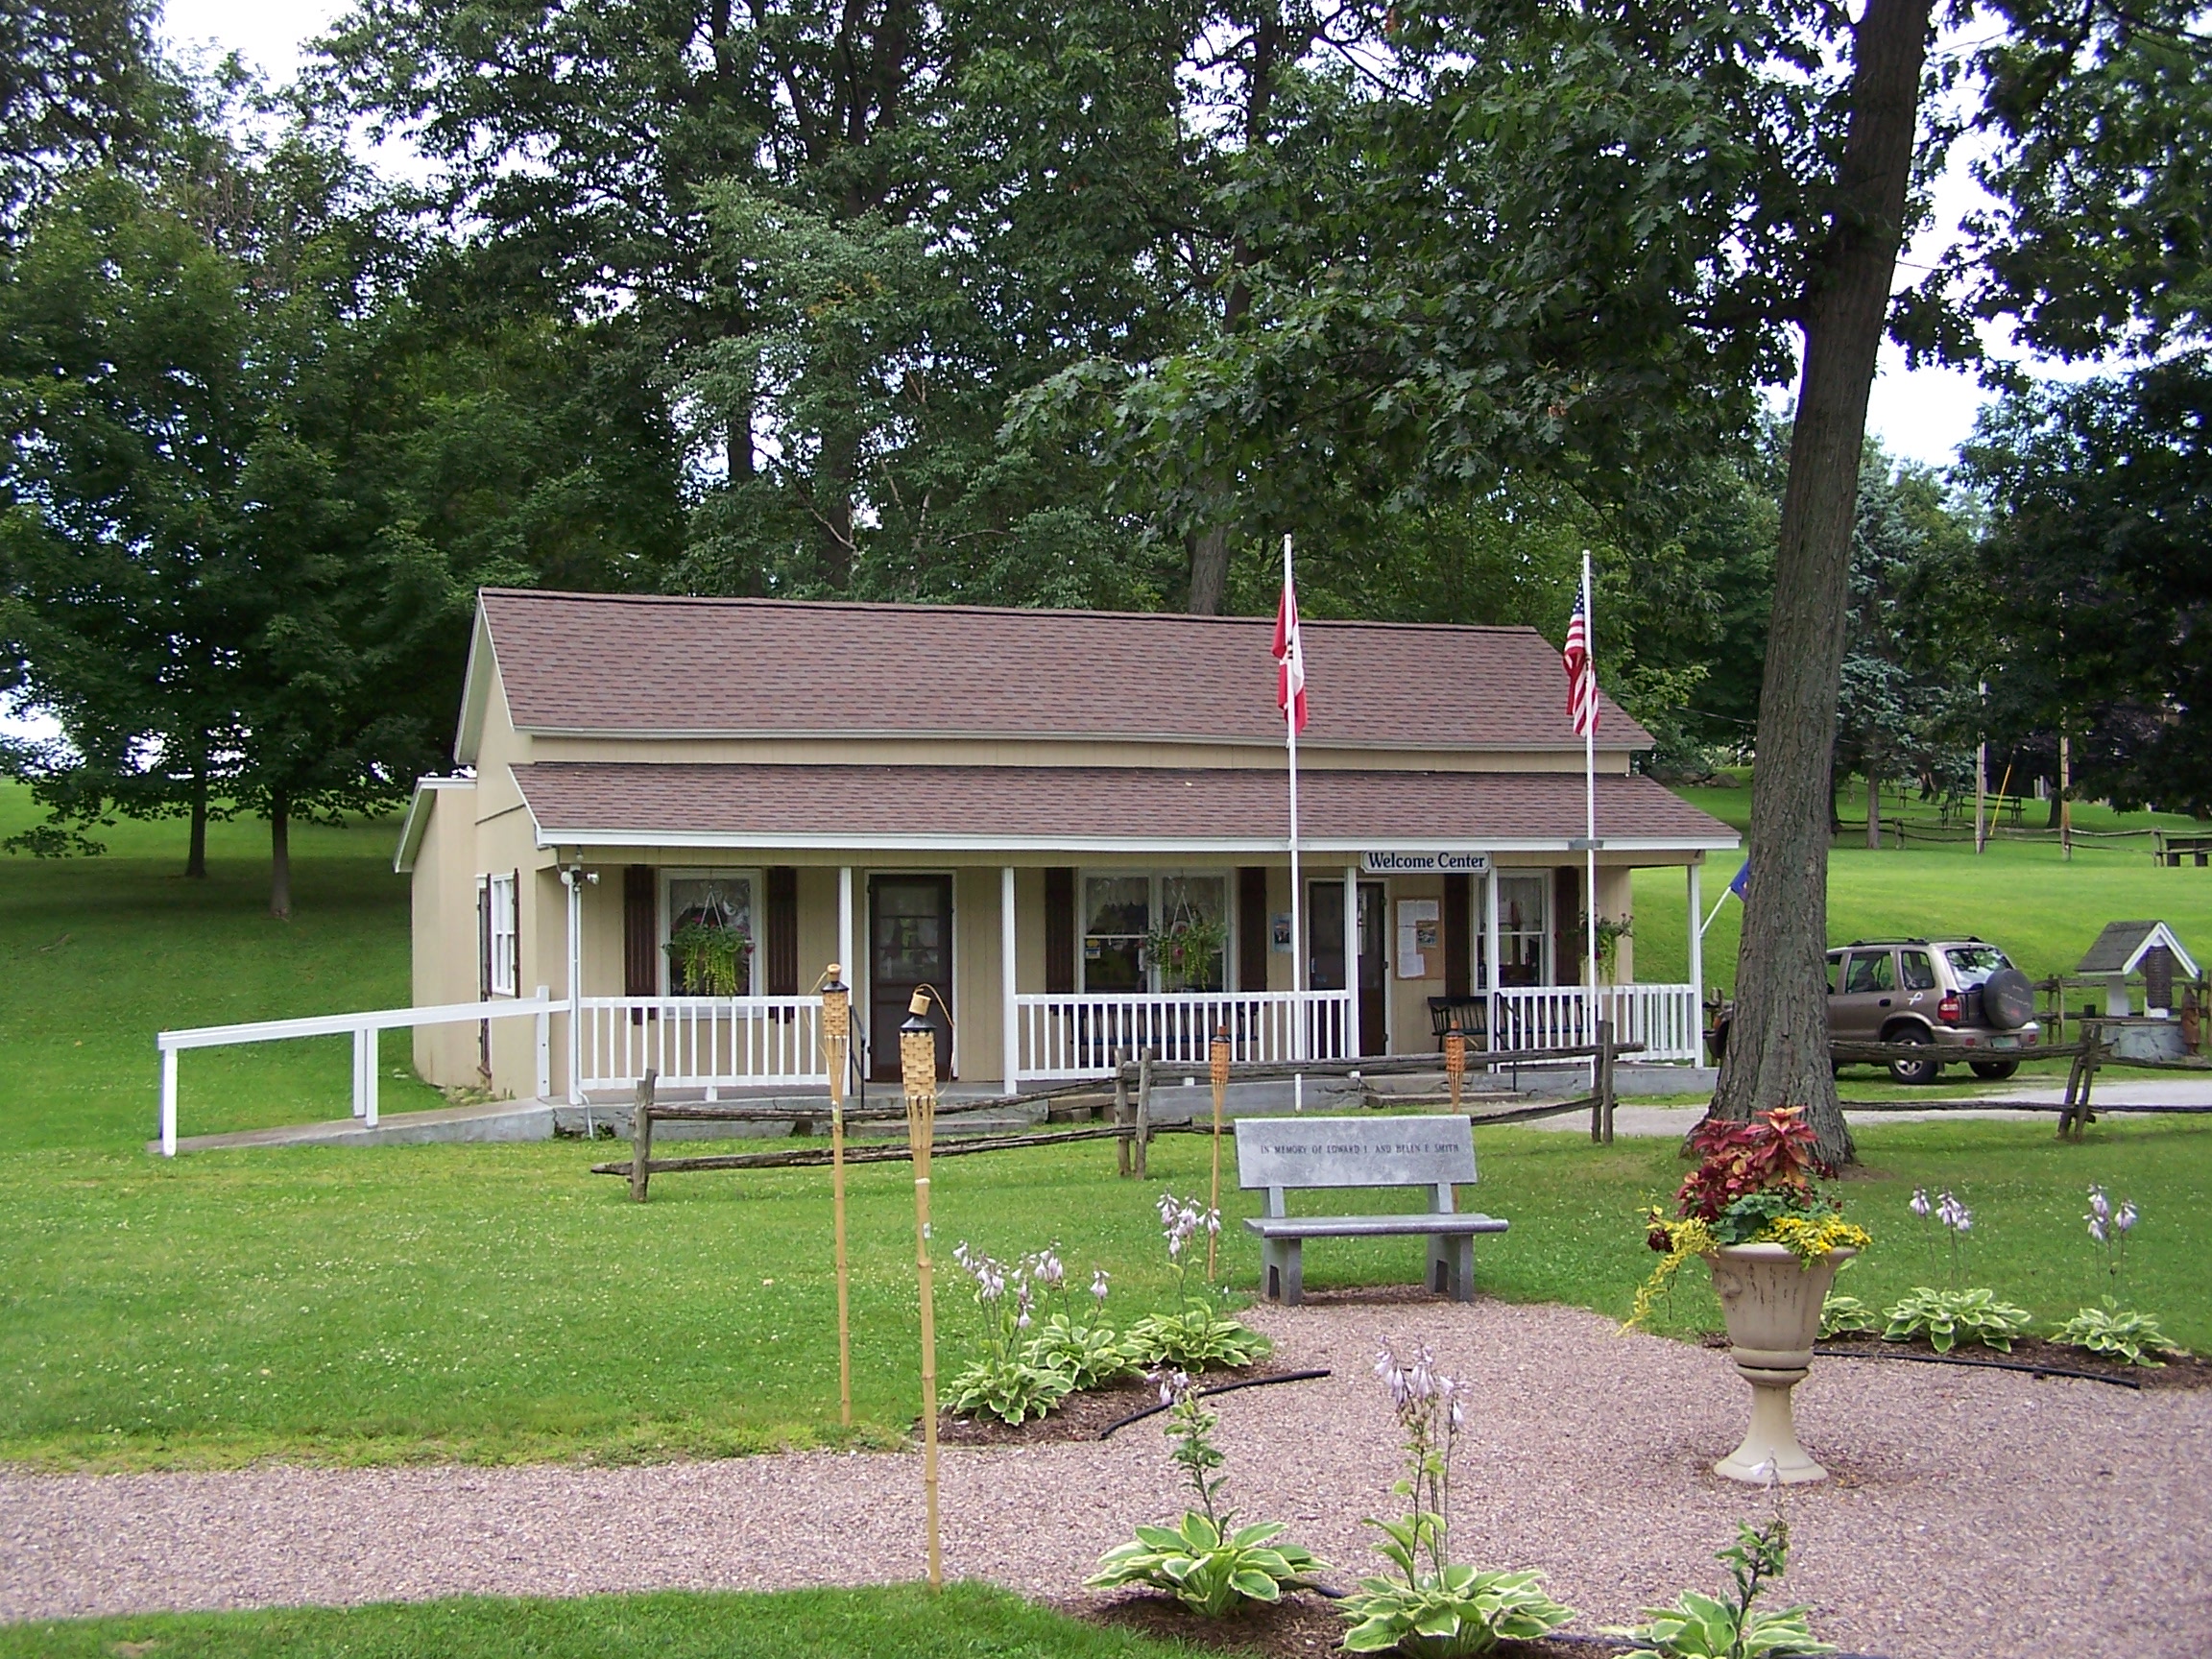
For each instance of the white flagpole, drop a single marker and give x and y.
(1297, 936)
(1590, 789)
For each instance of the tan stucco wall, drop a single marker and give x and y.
(442, 898)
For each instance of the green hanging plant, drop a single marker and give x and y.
(1188, 950)
(708, 959)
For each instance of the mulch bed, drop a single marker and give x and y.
(1089, 1413)
(1295, 1627)
(2032, 1353)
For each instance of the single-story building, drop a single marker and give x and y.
(673, 813)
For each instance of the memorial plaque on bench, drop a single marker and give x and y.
(1419, 1151)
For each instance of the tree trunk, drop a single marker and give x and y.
(1873, 808)
(1210, 570)
(196, 847)
(280, 856)
(1777, 1051)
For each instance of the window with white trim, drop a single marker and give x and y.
(502, 954)
(702, 902)
(1520, 930)
(1138, 932)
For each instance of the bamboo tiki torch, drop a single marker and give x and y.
(918, 1069)
(1455, 1063)
(836, 1044)
(1219, 1059)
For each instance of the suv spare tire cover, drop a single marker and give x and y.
(2008, 999)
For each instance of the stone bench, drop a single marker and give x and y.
(1287, 1154)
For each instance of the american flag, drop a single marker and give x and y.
(1289, 660)
(1581, 671)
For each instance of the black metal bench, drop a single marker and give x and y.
(1433, 1153)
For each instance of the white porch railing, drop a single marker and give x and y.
(1077, 1036)
(363, 1028)
(1663, 1018)
(701, 1042)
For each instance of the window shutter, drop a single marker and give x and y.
(641, 932)
(515, 934)
(1566, 942)
(1459, 959)
(1060, 932)
(782, 942)
(1251, 928)
(483, 938)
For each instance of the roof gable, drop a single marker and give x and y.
(2122, 945)
(637, 665)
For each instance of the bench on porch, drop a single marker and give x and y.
(1286, 1154)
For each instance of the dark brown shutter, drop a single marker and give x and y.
(1458, 903)
(1251, 928)
(483, 938)
(1566, 951)
(641, 932)
(514, 935)
(1059, 933)
(783, 944)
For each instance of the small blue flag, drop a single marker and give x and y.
(1742, 879)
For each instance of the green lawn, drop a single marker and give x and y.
(499, 1302)
(965, 1621)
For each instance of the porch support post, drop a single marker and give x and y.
(1351, 961)
(573, 879)
(1696, 944)
(1007, 1009)
(1491, 945)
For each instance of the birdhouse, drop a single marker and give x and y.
(2127, 949)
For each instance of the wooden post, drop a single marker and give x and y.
(1124, 1159)
(1455, 1065)
(1143, 1113)
(641, 1137)
(918, 1074)
(1219, 1059)
(2084, 1113)
(1605, 1077)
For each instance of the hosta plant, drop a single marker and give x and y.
(1839, 1313)
(1949, 1317)
(1011, 1390)
(1207, 1561)
(1210, 1567)
(1710, 1627)
(1088, 1356)
(2115, 1332)
(1194, 1338)
(1434, 1607)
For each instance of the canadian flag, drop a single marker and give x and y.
(1289, 660)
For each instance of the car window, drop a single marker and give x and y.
(1834, 972)
(1972, 964)
(1918, 970)
(1870, 971)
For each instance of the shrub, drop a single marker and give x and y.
(2116, 1332)
(1011, 1390)
(1704, 1628)
(1946, 1317)
(1437, 1608)
(1008, 1381)
(1194, 1338)
(1206, 1561)
(1088, 1356)
(1839, 1313)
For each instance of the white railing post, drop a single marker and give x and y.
(544, 1044)
(368, 1068)
(1006, 949)
(168, 1102)
(360, 1081)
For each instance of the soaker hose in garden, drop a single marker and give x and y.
(2027, 1365)
(1107, 1432)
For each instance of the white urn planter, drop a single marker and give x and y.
(1772, 1298)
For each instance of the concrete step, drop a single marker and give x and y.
(493, 1120)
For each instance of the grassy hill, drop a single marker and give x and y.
(2021, 894)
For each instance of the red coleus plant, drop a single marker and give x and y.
(1775, 1151)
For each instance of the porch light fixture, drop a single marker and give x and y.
(1217, 1058)
(917, 1070)
(836, 1044)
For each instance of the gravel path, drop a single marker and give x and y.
(1972, 1512)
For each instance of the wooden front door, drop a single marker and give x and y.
(909, 944)
(1325, 928)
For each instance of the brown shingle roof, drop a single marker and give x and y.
(1076, 805)
(623, 663)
